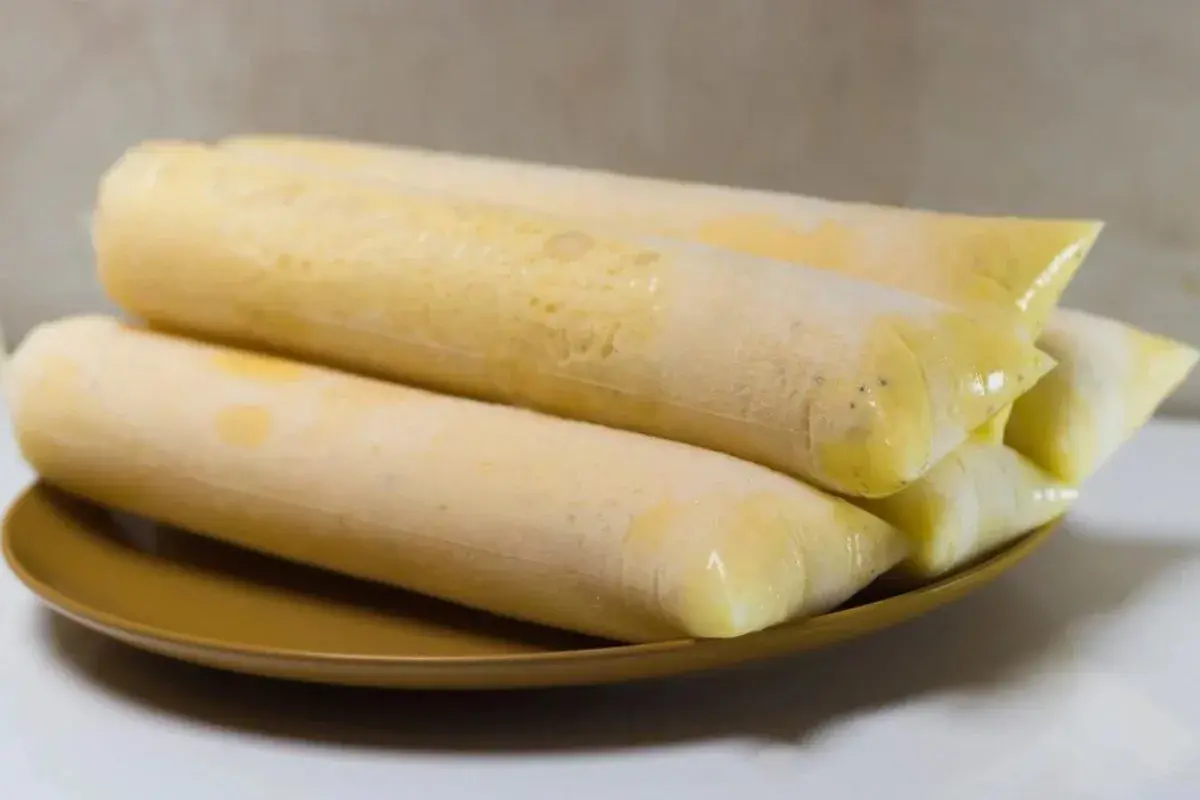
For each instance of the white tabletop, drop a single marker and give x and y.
(1073, 678)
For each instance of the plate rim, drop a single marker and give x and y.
(763, 644)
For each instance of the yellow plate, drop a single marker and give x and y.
(198, 600)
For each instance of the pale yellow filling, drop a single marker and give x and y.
(1015, 267)
(1110, 379)
(851, 385)
(563, 523)
(979, 498)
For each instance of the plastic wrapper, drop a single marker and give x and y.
(854, 386)
(1014, 265)
(553, 521)
(978, 499)
(1110, 379)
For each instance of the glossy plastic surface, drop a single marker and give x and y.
(558, 522)
(854, 386)
(1110, 379)
(977, 499)
(1008, 264)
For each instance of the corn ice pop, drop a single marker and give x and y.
(853, 386)
(1016, 266)
(1009, 265)
(979, 498)
(1110, 380)
(549, 520)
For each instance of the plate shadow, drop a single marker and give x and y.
(1024, 617)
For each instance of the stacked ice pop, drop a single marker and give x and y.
(629, 407)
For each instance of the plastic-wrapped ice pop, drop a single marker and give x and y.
(979, 498)
(1110, 379)
(549, 520)
(854, 386)
(1010, 264)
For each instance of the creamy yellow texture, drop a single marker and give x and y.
(1110, 379)
(979, 498)
(1012, 265)
(544, 519)
(993, 430)
(851, 385)
(250, 365)
(243, 425)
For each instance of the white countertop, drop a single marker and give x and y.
(1073, 678)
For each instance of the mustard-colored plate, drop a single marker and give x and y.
(199, 600)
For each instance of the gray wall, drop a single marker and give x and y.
(1072, 107)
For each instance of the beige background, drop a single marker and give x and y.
(1070, 107)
